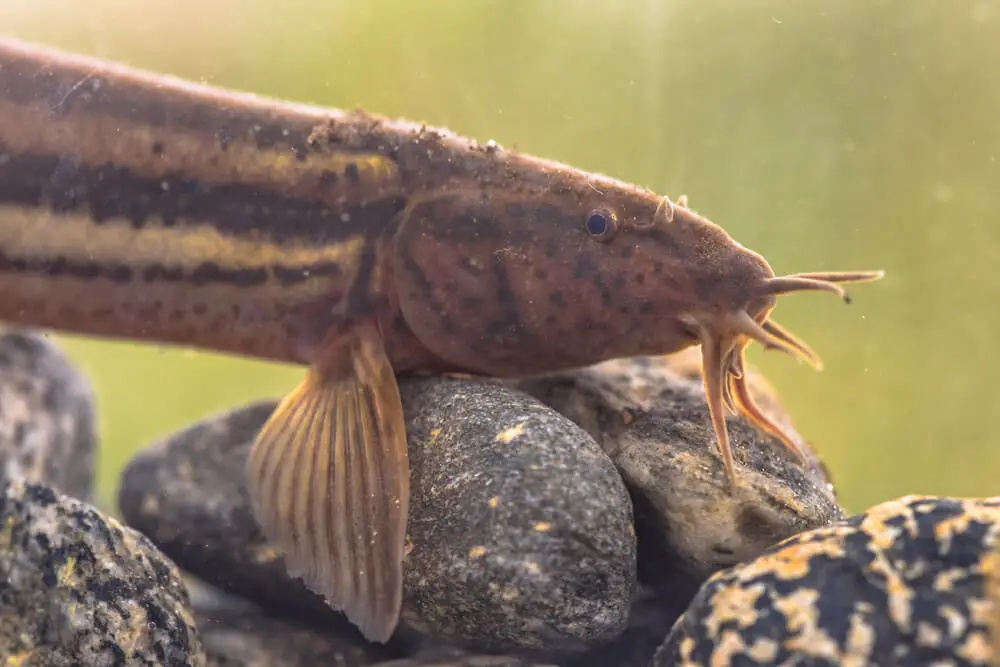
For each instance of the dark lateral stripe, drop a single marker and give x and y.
(289, 276)
(63, 184)
(204, 274)
(121, 273)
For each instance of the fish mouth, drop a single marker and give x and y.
(724, 338)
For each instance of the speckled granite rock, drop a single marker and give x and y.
(650, 416)
(80, 589)
(47, 423)
(237, 633)
(901, 584)
(520, 526)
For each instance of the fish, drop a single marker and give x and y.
(135, 205)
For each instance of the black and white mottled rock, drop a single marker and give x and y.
(912, 581)
(78, 588)
(47, 423)
(238, 633)
(650, 416)
(520, 527)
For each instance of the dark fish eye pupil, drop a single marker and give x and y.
(597, 224)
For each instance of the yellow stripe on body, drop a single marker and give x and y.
(100, 139)
(42, 234)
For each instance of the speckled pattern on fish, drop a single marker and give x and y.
(901, 584)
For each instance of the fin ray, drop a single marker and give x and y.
(328, 477)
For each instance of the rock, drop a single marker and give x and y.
(649, 621)
(909, 582)
(438, 654)
(523, 535)
(465, 660)
(991, 591)
(237, 633)
(47, 424)
(520, 527)
(650, 416)
(81, 589)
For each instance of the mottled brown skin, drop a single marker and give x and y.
(530, 290)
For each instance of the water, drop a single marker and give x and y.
(825, 135)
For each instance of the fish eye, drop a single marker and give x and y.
(601, 224)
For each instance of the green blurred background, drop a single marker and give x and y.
(826, 135)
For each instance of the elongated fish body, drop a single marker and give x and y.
(145, 207)
(135, 205)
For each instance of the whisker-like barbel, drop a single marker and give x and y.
(789, 284)
(824, 282)
(725, 381)
(840, 276)
(742, 323)
(805, 352)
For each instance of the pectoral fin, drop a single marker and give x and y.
(328, 477)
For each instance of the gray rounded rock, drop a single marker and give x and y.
(522, 533)
(649, 622)
(81, 589)
(520, 528)
(650, 416)
(47, 423)
(238, 633)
